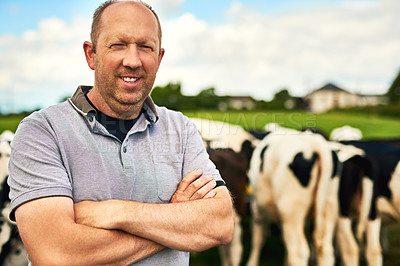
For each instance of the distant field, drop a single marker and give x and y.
(371, 126)
(10, 122)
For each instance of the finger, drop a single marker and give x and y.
(188, 179)
(210, 194)
(197, 184)
(191, 189)
(204, 190)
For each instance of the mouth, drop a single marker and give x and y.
(129, 80)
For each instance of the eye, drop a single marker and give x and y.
(147, 47)
(117, 45)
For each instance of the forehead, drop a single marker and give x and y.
(124, 18)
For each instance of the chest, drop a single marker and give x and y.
(141, 168)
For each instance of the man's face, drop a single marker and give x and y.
(127, 55)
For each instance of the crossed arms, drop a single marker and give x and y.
(57, 232)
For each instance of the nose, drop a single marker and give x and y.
(132, 57)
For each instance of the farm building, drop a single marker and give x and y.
(330, 96)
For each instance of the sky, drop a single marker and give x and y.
(241, 47)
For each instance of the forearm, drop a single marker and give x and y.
(52, 241)
(190, 226)
(92, 246)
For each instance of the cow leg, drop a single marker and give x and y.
(325, 249)
(257, 237)
(374, 250)
(297, 248)
(224, 254)
(236, 248)
(348, 246)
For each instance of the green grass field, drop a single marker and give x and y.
(10, 122)
(371, 126)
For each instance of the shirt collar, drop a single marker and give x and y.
(81, 105)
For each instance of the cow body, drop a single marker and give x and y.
(230, 148)
(369, 182)
(12, 250)
(233, 168)
(221, 135)
(291, 174)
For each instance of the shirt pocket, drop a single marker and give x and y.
(168, 171)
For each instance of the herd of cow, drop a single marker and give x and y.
(343, 186)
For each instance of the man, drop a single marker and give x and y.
(107, 177)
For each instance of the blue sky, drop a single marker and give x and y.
(242, 47)
(19, 15)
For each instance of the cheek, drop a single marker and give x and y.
(109, 60)
(150, 62)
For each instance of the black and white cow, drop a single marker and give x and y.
(230, 148)
(291, 173)
(221, 135)
(377, 171)
(12, 250)
(233, 168)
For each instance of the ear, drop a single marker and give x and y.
(89, 54)
(160, 56)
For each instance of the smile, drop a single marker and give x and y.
(129, 80)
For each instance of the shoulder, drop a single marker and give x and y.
(173, 118)
(48, 113)
(44, 120)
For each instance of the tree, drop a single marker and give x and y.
(169, 96)
(282, 96)
(394, 91)
(283, 100)
(207, 99)
(210, 92)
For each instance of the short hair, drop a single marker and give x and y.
(96, 25)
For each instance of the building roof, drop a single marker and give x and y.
(328, 87)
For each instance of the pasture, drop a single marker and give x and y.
(371, 126)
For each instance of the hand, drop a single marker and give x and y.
(194, 187)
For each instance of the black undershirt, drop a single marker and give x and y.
(116, 127)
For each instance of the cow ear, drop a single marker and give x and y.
(0, 155)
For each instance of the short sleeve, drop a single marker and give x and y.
(36, 165)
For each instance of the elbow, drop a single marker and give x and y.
(53, 257)
(223, 237)
(223, 233)
(226, 234)
(226, 226)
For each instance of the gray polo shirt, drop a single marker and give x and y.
(63, 151)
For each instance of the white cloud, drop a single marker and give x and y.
(48, 61)
(166, 8)
(358, 47)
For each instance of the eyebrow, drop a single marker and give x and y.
(126, 38)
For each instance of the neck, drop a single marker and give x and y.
(125, 112)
